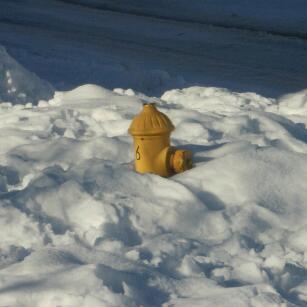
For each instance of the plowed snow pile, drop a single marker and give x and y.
(80, 228)
(17, 85)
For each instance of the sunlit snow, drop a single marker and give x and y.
(81, 228)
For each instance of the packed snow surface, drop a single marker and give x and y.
(80, 228)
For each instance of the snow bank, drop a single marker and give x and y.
(295, 105)
(17, 85)
(81, 228)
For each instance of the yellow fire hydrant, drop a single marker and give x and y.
(151, 131)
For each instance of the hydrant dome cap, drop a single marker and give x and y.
(150, 122)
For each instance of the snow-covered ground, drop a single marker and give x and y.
(79, 228)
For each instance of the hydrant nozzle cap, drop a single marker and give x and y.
(150, 122)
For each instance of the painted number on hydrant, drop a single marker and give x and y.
(137, 153)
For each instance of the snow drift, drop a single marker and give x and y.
(17, 85)
(80, 228)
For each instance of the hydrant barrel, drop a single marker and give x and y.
(151, 131)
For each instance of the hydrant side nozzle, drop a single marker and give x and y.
(181, 160)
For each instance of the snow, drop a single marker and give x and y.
(17, 85)
(81, 228)
(286, 17)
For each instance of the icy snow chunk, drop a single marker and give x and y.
(119, 91)
(297, 240)
(294, 104)
(18, 85)
(276, 264)
(19, 229)
(5, 105)
(249, 273)
(221, 274)
(294, 100)
(189, 267)
(28, 105)
(43, 104)
(130, 92)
